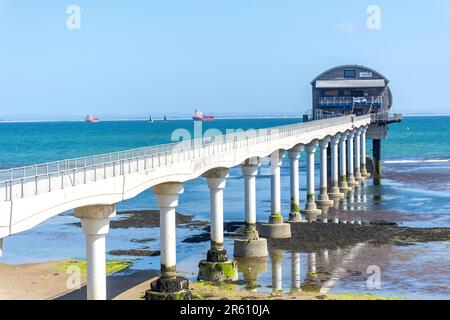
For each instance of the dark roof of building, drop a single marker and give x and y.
(347, 67)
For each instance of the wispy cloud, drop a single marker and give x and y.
(348, 26)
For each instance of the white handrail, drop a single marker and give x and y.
(64, 173)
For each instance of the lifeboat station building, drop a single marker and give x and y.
(359, 90)
(350, 89)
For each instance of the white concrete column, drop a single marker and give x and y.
(95, 223)
(250, 245)
(343, 185)
(358, 176)
(167, 195)
(363, 152)
(250, 171)
(335, 194)
(216, 183)
(294, 157)
(310, 149)
(1, 247)
(324, 200)
(350, 160)
(310, 209)
(275, 186)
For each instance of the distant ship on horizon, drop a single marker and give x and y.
(198, 116)
(91, 119)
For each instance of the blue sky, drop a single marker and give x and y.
(228, 57)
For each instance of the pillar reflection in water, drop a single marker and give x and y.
(311, 282)
(277, 271)
(325, 256)
(295, 272)
(251, 268)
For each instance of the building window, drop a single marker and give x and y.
(349, 74)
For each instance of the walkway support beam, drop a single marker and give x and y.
(358, 175)
(324, 201)
(294, 158)
(364, 172)
(276, 228)
(335, 194)
(168, 286)
(351, 160)
(343, 185)
(377, 169)
(250, 245)
(310, 210)
(95, 223)
(276, 161)
(217, 267)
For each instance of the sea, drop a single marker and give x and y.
(416, 186)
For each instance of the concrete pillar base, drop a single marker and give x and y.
(335, 194)
(325, 210)
(352, 182)
(336, 197)
(217, 255)
(275, 231)
(217, 271)
(295, 217)
(169, 289)
(364, 173)
(311, 212)
(276, 219)
(250, 248)
(325, 202)
(344, 187)
(359, 178)
(311, 215)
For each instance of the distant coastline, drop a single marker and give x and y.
(176, 118)
(145, 119)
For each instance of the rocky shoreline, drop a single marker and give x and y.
(307, 237)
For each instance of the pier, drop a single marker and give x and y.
(92, 187)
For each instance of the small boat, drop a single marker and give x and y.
(151, 119)
(198, 116)
(165, 119)
(91, 119)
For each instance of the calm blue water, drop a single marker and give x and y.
(414, 141)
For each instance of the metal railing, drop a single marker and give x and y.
(35, 179)
(369, 101)
(386, 117)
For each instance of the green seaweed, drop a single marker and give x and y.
(112, 266)
(295, 208)
(212, 271)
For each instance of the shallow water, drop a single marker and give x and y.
(420, 271)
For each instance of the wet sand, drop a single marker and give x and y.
(204, 291)
(149, 219)
(313, 237)
(49, 280)
(425, 176)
